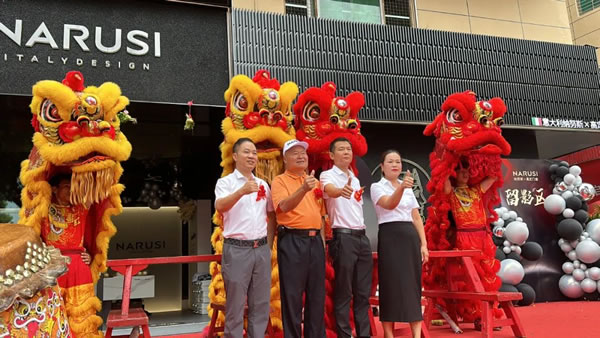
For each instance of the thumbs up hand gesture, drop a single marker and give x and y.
(408, 180)
(347, 189)
(249, 187)
(310, 182)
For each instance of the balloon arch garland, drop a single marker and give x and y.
(579, 236)
(510, 236)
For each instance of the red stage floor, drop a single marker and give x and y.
(543, 320)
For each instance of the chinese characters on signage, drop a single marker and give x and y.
(532, 197)
(561, 123)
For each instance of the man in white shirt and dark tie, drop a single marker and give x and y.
(350, 248)
(245, 203)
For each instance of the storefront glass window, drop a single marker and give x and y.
(368, 11)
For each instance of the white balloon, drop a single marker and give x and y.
(519, 219)
(512, 214)
(571, 187)
(504, 209)
(568, 213)
(568, 267)
(566, 247)
(516, 232)
(555, 191)
(506, 250)
(572, 255)
(513, 247)
(594, 273)
(588, 251)
(554, 204)
(578, 181)
(576, 264)
(499, 222)
(570, 287)
(583, 266)
(593, 229)
(578, 274)
(511, 271)
(569, 179)
(567, 194)
(575, 170)
(587, 273)
(518, 250)
(585, 234)
(506, 243)
(561, 241)
(588, 285)
(505, 216)
(574, 243)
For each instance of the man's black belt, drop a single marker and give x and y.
(349, 231)
(248, 243)
(300, 232)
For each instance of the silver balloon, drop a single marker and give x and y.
(593, 229)
(575, 170)
(519, 219)
(588, 251)
(568, 268)
(587, 191)
(511, 271)
(569, 179)
(499, 222)
(498, 231)
(554, 204)
(516, 232)
(576, 264)
(588, 285)
(566, 247)
(594, 273)
(567, 194)
(568, 213)
(561, 186)
(512, 214)
(578, 274)
(506, 250)
(583, 266)
(572, 255)
(570, 287)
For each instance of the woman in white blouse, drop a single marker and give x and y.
(401, 247)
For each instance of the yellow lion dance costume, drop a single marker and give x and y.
(77, 133)
(261, 110)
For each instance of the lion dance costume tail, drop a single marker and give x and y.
(259, 109)
(77, 132)
(466, 130)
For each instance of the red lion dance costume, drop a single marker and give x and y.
(321, 117)
(77, 132)
(466, 130)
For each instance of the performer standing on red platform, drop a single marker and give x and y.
(244, 200)
(350, 248)
(298, 202)
(401, 246)
(472, 232)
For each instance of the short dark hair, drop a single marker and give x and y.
(241, 141)
(462, 163)
(387, 152)
(56, 179)
(339, 139)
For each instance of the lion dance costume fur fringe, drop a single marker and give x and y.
(466, 130)
(259, 109)
(321, 117)
(77, 132)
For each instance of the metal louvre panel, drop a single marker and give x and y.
(406, 73)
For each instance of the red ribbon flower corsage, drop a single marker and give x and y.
(261, 194)
(358, 194)
(318, 193)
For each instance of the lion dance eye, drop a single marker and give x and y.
(499, 121)
(240, 102)
(49, 112)
(22, 309)
(311, 112)
(453, 116)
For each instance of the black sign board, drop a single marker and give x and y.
(156, 51)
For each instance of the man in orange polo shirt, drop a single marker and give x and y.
(298, 203)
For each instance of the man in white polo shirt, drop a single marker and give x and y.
(248, 227)
(350, 248)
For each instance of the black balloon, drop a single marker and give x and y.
(564, 164)
(515, 256)
(581, 215)
(500, 255)
(573, 203)
(528, 294)
(584, 206)
(498, 241)
(508, 288)
(154, 204)
(570, 229)
(553, 168)
(562, 171)
(553, 177)
(531, 251)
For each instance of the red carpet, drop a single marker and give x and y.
(544, 320)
